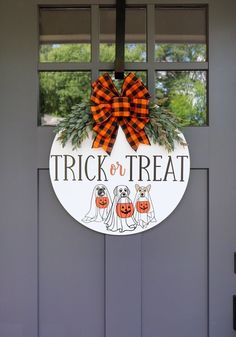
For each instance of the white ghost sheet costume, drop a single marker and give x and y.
(97, 212)
(147, 215)
(125, 222)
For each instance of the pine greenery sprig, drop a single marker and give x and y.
(163, 127)
(76, 126)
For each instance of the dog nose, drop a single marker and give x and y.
(123, 194)
(142, 194)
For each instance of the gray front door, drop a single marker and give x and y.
(60, 279)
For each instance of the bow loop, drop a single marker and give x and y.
(101, 94)
(110, 109)
(134, 87)
(101, 112)
(106, 82)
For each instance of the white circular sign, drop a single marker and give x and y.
(125, 193)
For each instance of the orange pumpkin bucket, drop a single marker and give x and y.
(102, 202)
(125, 208)
(143, 205)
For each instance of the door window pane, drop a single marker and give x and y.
(107, 34)
(60, 91)
(184, 93)
(135, 35)
(65, 35)
(180, 34)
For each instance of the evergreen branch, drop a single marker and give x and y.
(76, 126)
(163, 127)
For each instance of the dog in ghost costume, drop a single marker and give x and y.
(99, 205)
(144, 211)
(120, 217)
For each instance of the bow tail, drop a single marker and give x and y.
(106, 135)
(135, 137)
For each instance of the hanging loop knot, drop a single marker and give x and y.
(112, 109)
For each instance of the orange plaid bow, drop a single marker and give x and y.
(129, 110)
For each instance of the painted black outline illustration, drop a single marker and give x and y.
(143, 194)
(113, 221)
(96, 214)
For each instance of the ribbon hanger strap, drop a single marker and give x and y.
(120, 39)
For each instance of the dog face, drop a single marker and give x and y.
(121, 191)
(101, 190)
(142, 190)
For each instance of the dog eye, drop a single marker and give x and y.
(140, 190)
(125, 190)
(120, 190)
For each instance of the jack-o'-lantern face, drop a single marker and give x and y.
(125, 209)
(143, 206)
(102, 202)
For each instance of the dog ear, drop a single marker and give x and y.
(128, 190)
(136, 187)
(115, 190)
(148, 187)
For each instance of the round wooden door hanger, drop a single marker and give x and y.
(126, 192)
